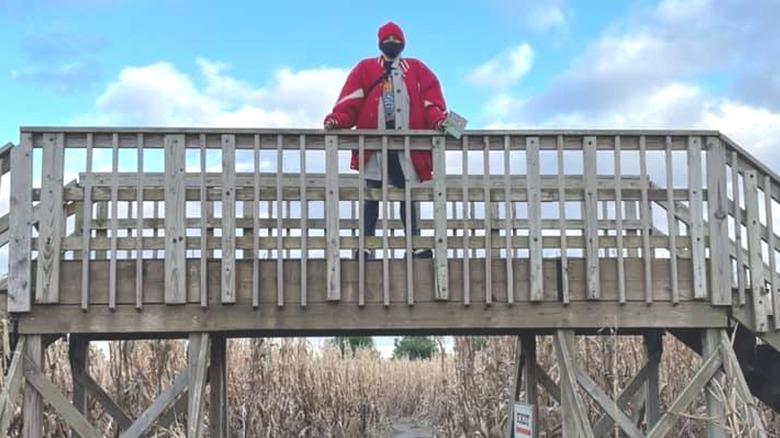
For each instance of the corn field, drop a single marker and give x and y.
(286, 387)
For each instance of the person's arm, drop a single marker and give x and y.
(432, 97)
(347, 109)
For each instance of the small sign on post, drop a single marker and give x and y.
(524, 421)
(454, 124)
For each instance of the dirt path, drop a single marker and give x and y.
(410, 429)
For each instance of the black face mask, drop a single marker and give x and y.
(391, 49)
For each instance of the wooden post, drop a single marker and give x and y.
(332, 231)
(535, 243)
(710, 342)
(696, 206)
(78, 353)
(528, 344)
(755, 258)
(592, 289)
(51, 222)
(653, 341)
(509, 219)
(33, 401)
(514, 387)
(717, 205)
(20, 220)
(562, 226)
(198, 358)
(218, 412)
(573, 413)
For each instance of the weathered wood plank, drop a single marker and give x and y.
(563, 226)
(385, 216)
(734, 371)
(332, 217)
(717, 204)
(621, 268)
(591, 213)
(52, 395)
(771, 242)
(12, 385)
(710, 341)
(514, 387)
(574, 416)
(408, 226)
(644, 208)
(440, 218)
(20, 212)
(317, 317)
(509, 213)
(696, 207)
(51, 221)
(671, 221)
(78, 349)
(535, 249)
(108, 405)
(549, 385)
(279, 218)
(198, 354)
(466, 217)
(32, 410)
(702, 376)
(204, 215)
(228, 219)
(488, 207)
(304, 224)
(175, 231)
(139, 229)
(757, 278)
(86, 232)
(218, 403)
(361, 222)
(113, 221)
(160, 404)
(606, 403)
(738, 229)
(653, 346)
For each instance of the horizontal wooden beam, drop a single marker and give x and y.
(371, 319)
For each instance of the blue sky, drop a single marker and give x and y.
(503, 63)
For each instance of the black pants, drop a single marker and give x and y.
(396, 179)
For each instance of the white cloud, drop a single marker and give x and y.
(546, 17)
(506, 69)
(679, 10)
(161, 95)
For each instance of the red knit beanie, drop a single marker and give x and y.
(391, 29)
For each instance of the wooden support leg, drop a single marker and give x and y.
(530, 381)
(198, 357)
(573, 413)
(78, 348)
(218, 413)
(13, 385)
(710, 342)
(33, 402)
(653, 341)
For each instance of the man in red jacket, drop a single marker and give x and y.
(390, 93)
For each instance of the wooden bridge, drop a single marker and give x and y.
(207, 234)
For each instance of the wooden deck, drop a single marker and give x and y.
(125, 233)
(253, 231)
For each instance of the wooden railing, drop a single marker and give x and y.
(556, 216)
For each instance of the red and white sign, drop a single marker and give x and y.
(524, 421)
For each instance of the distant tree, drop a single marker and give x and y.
(351, 344)
(414, 347)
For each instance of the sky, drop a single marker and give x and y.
(558, 64)
(509, 64)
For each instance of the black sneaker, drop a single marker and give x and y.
(422, 254)
(367, 255)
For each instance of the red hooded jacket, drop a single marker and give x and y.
(358, 103)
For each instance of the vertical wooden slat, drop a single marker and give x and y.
(645, 218)
(466, 223)
(304, 224)
(361, 223)
(717, 203)
(590, 158)
(199, 351)
(488, 222)
(204, 219)
(738, 228)
(562, 227)
(761, 323)
(78, 348)
(86, 233)
(51, 220)
(509, 216)
(332, 218)
(114, 222)
(535, 243)
(441, 267)
(228, 218)
(218, 403)
(385, 216)
(175, 231)
(770, 231)
(408, 221)
(710, 344)
(671, 216)
(256, 225)
(696, 206)
(20, 211)
(139, 225)
(621, 266)
(279, 222)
